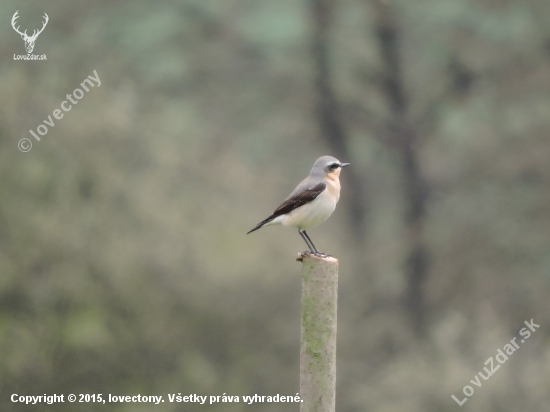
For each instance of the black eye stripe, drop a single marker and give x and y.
(334, 166)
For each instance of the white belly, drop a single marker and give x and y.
(312, 214)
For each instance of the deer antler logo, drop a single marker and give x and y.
(29, 40)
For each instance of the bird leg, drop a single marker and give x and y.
(308, 242)
(312, 247)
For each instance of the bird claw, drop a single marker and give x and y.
(321, 254)
(307, 253)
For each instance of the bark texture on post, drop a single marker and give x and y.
(318, 342)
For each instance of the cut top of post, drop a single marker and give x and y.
(303, 256)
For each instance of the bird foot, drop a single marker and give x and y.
(307, 253)
(321, 254)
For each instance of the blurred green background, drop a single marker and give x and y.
(124, 265)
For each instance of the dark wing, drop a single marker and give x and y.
(300, 199)
(293, 202)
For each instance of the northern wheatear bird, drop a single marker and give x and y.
(312, 202)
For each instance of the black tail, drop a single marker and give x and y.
(259, 225)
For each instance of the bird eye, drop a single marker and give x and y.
(334, 166)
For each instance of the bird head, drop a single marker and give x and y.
(328, 166)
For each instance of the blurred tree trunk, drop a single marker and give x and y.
(329, 116)
(404, 140)
(401, 135)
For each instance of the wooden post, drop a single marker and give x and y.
(318, 342)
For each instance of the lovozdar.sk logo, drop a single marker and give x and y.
(29, 40)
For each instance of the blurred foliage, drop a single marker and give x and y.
(123, 260)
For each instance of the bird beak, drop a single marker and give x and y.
(344, 164)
